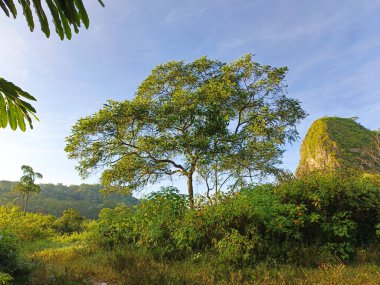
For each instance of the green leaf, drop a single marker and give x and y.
(11, 6)
(101, 3)
(66, 14)
(56, 19)
(20, 119)
(71, 13)
(42, 17)
(3, 113)
(4, 8)
(28, 14)
(12, 113)
(82, 13)
(25, 94)
(66, 25)
(12, 108)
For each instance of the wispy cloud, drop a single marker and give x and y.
(184, 14)
(331, 47)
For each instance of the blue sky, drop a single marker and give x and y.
(332, 50)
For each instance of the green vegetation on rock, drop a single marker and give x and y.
(333, 142)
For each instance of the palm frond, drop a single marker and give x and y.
(14, 109)
(65, 14)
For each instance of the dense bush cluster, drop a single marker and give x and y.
(310, 220)
(341, 210)
(34, 226)
(70, 222)
(27, 226)
(11, 262)
(17, 226)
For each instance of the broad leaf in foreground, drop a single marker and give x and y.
(14, 109)
(66, 15)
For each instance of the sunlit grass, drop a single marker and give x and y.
(78, 265)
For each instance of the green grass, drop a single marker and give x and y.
(29, 247)
(79, 265)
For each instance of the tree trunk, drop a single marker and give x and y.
(26, 202)
(216, 177)
(190, 190)
(22, 203)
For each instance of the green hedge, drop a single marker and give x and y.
(318, 218)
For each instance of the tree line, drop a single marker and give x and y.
(55, 198)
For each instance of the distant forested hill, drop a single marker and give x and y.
(54, 198)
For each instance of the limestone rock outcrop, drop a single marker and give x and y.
(333, 142)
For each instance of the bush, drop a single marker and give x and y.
(150, 224)
(10, 260)
(235, 248)
(70, 222)
(321, 217)
(8, 252)
(341, 209)
(5, 278)
(113, 228)
(27, 226)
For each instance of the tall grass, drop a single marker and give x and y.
(76, 265)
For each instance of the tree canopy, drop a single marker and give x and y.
(203, 117)
(66, 15)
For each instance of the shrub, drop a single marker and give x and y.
(10, 260)
(235, 248)
(70, 222)
(8, 252)
(113, 228)
(156, 219)
(28, 226)
(5, 278)
(150, 224)
(341, 209)
(321, 216)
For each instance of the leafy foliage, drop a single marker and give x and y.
(332, 214)
(66, 15)
(10, 260)
(150, 225)
(70, 222)
(5, 278)
(341, 209)
(13, 107)
(26, 226)
(190, 118)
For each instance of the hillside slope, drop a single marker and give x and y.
(333, 142)
(55, 198)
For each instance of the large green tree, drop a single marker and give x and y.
(27, 184)
(203, 117)
(67, 15)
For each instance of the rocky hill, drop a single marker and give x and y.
(333, 142)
